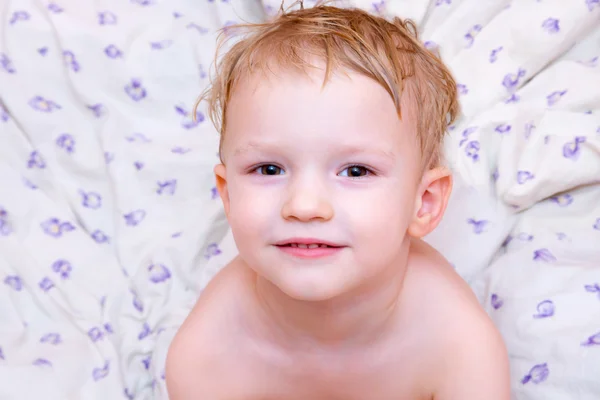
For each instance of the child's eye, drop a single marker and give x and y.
(269, 169)
(355, 171)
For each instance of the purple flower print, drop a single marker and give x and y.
(592, 62)
(36, 160)
(511, 81)
(107, 18)
(138, 138)
(430, 45)
(51, 338)
(465, 134)
(91, 200)
(143, 2)
(495, 175)
(529, 127)
(561, 236)
(5, 228)
(101, 373)
(462, 89)
(138, 165)
(211, 251)
(378, 6)
(39, 103)
(97, 109)
(95, 334)
(180, 150)
(137, 304)
(135, 90)
(572, 149)
(472, 150)
(6, 64)
(63, 268)
(108, 157)
(214, 193)
(197, 27)
(161, 44)
(46, 284)
(29, 184)
(597, 224)
(19, 16)
(593, 340)
(55, 228)
(67, 142)
(545, 309)
(496, 301)
(513, 98)
(158, 273)
(554, 97)
(563, 200)
(503, 128)
(525, 237)
(2, 354)
(43, 51)
(145, 332)
(543, 255)
(441, 2)
(55, 8)
(176, 235)
(551, 25)
(100, 237)
(113, 52)
(177, 15)
(146, 362)
(188, 121)
(108, 329)
(595, 288)
(494, 54)
(591, 4)
(128, 394)
(538, 374)
(135, 217)
(524, 176)
(71, 61)
(478, 225)
(471, 34)
(167, 187)
(15, 282)
(203, 73)
(42, 362)
(3, 113)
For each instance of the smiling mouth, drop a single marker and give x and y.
(308, 246)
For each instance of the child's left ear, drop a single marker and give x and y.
(432, 199)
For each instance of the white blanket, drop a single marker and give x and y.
(110, 226)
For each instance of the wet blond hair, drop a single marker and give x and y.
(390, 53)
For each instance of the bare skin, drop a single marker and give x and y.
(377, 314)
(437, 336)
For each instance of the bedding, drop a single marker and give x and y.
(110, 225)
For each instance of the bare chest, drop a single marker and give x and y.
(396, 375)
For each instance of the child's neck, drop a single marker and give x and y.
(354, 319)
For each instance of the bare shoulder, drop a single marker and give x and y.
(199, 355)
(469, 355)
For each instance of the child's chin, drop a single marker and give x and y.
(311, 290)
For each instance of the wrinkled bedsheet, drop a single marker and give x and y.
(110, 225)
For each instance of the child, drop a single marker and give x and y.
(331, 122)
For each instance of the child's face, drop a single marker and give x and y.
(333, 164)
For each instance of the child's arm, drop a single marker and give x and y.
(477, 366)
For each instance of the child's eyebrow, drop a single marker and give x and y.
(344, 150)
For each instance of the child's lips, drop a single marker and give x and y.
(310, 250)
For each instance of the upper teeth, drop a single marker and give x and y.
(307, 246)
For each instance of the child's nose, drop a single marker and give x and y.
(307, 202)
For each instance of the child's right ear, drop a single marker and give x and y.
(221, 176)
